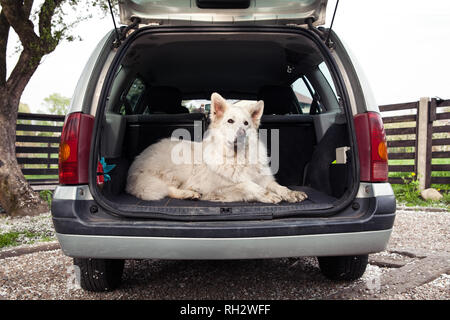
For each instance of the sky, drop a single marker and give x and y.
(402, 45)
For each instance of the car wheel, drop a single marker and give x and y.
(99, 274)
(343, 268)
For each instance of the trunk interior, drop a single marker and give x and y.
(163, 83)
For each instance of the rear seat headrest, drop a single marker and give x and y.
(164, 99)
(278, 100)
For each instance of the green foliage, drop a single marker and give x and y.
(79, 10)
(9, 239)
(46, 195)
(56, 104)
(24, 108)
(15, 238)
(409, 194)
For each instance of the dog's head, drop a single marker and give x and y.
(236, 122)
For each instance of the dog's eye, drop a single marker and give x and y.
(230, 121)
(245, 123)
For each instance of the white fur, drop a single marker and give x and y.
(220, 168)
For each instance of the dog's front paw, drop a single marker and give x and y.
(294, 196)
(195, 195)
(189, 194)
(271, 197)
(298, 196)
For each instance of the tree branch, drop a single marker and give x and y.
(27, 6)
(15, 14)
(22, 73)
(4, 34)
(45, 24)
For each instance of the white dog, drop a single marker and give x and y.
(230, 164)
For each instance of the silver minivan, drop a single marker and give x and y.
(154, 77)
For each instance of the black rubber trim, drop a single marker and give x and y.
(228, 229)
(331, 63)
(86, 218)
(385, 204)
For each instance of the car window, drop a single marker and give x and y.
(326, 73)
(202, 105)
(197, 105)
(130, 101)
(303, 94)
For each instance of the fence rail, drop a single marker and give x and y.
(418, 136)
(418, 142)
(37, 141)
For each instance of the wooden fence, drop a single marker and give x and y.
(37, 146)
(418, 136)
(418, 140)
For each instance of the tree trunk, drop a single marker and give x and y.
(16, 195)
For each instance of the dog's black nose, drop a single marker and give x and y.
(240, 133)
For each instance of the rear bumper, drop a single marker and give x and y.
(362, 228)
(117, 247)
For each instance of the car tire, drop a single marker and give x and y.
(99, 275)
(344, 267)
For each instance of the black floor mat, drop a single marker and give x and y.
(316, 201)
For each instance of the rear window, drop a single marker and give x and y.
(326, 73)
(303, 94)
(197, 106)
(130, 100)
(203, 105)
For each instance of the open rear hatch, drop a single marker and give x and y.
(159, 60)
(201, 12)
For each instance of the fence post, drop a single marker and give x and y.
(431, 119)
(422, 139)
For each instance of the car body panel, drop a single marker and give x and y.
(179, 12)
(92, 76)
(86, 229)
(117, 247)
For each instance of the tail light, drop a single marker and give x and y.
(372, 147)
(74, 149)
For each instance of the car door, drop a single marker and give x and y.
(201, 12)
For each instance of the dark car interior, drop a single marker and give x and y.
(159, 72)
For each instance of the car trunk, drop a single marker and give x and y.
(314, 152)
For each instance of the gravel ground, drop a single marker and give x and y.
(49, 275)
(29, 229)
(421, 231)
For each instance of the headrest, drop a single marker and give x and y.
(163, 99)
(278, 100)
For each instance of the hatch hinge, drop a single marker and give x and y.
(321, 32)
(125, 31)
(317, 31)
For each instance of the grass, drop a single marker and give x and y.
(26, 230)
(409, 194)
(47, 196)
(400, 190)
(43, 176)
(9, 239)
(15, 238)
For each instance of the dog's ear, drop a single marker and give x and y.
(218, 106)
(256, 111)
